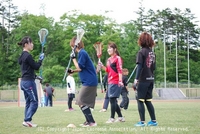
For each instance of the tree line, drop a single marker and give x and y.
(174, 32)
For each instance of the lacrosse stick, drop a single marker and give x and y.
(131, 74)
(80, 33)
(42, 35)
(98, 47)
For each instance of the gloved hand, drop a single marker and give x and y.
(135, 84)
(120, 83)
(39, 78)
(70, 71)
(41, 57)
(73, 55)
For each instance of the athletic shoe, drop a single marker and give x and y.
(120, 119)
(90, 125)
(102, 110)
(29, 124)
(111, 120)
(71, 109)
(85, 123)
(140, 124)
(93, 124)
(151, 123)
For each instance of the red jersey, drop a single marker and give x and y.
(113, 69)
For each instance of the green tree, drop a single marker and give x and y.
(7, 13)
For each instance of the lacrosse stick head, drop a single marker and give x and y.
(80, 33)
(43, 34)
(98, 47)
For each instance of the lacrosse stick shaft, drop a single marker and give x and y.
(131, 74)
(70, 60)
(41, 68)
(65, 75)
(100, 72)
(42, 49)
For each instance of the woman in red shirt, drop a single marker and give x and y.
(115, 84)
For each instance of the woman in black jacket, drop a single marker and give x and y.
(28, 85)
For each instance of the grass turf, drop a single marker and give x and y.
(179, 116)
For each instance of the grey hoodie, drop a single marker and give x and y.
(28, 65)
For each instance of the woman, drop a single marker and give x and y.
(144, 79)
(28, 65)
(88, 77)
(115, 84)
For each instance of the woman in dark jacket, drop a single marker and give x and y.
(28, 85)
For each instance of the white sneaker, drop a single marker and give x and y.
(120, 119)
(111, 120)
(102, 110)
(29, 124)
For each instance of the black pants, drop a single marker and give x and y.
(70, 99)
(114, 108)
(70, 102)
(125, 100)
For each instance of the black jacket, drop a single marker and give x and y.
(28, 65)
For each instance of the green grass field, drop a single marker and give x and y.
(178, 116)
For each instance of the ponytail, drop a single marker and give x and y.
(25, 40)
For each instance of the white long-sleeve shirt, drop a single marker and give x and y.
(70, 82)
